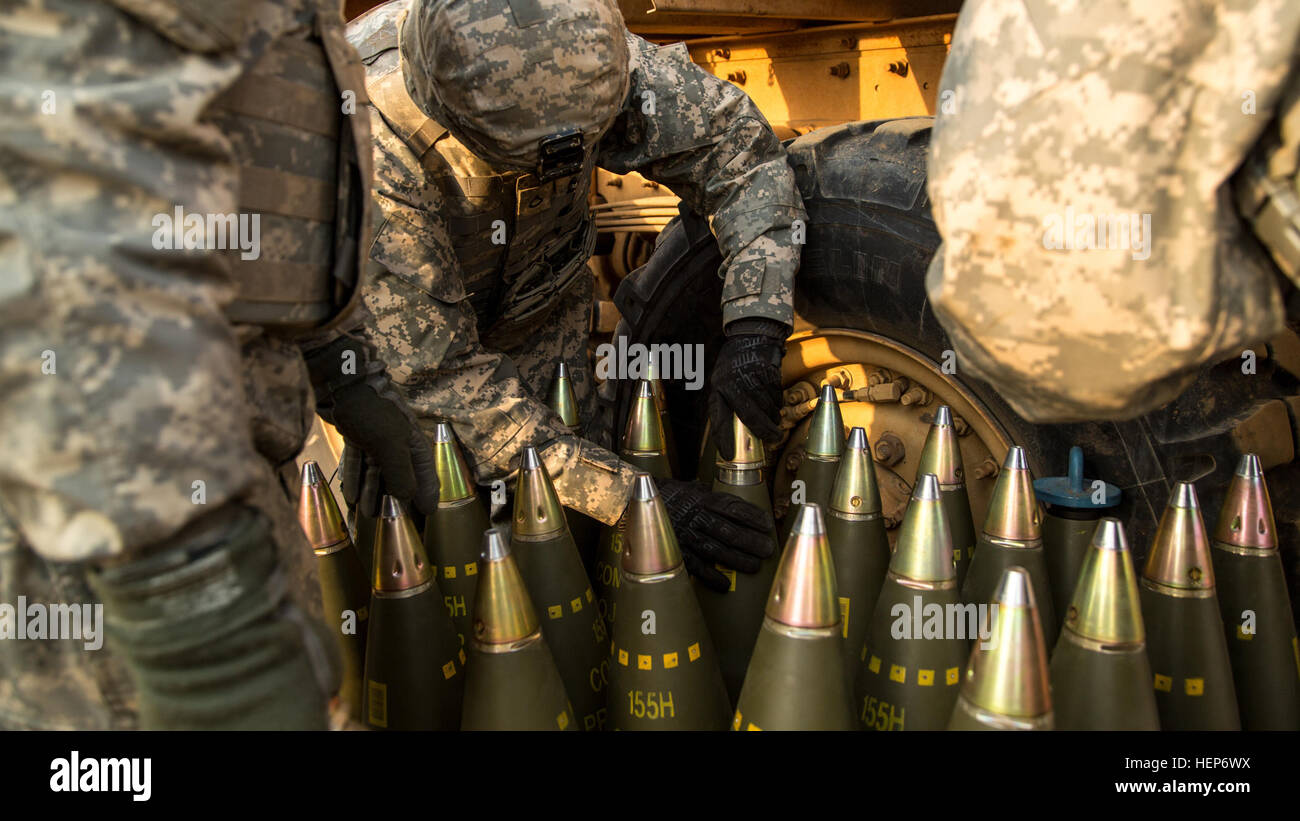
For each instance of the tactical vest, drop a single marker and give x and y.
(1267, 186)
(304, 149)
(546, 226)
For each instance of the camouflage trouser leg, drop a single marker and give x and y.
(62, 685)
(55, 685)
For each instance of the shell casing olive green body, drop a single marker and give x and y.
(511, 681)
(1006, 686)
(1066, 535)
(345, 591)
(1257, 617)
(859, 545)
(451, 536)
(557, 583)
(1012, 537)
(1184, 631)
(645, 449)
(1261, 637)
(415, 664)
(941, 456)
(796, 680)
(919, 636)
(734, 616)
(1101, 675)
(663, 670)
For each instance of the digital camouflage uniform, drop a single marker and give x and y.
(1116, 107)
(170, 367)
(474, 330)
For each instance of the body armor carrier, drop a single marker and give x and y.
(305, 152)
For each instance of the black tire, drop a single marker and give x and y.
(870, 240)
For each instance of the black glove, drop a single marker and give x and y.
(747, 382)
(716, 528)
(355, 395)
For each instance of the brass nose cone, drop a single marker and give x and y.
(803, 592)
(645, 430)
(1246, 519)
(941, 453)
(562, 399)
(538, 512)
(318, 513)
(503, 612)
(1007, 673)
(826, 431)
(1013, 510)
(856, 489)
(1105, 605)
(924, 549)
(1180, 555)
(400, 561)
(649, 544)
(454, 482)
(750, 453)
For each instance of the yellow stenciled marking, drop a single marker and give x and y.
(736, 721)
(449, 572)
(874, 664)
(731, 577)
(898, 673)
(590, 595)
(622, 657)
(952, 675)
(1164, 684)
(449, 669)
(562, 720)
(925, 678)
(644, 662)
(378, 706)
(693, 652)
(1194, 686)
(670, 660)
(555, 611)
(753, 726)
(471, 569)
(576, 605)
(461, 654)
(844, 616)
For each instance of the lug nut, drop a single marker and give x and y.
(889, 449)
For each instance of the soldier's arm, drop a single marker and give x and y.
(707, 141)
(425, 329)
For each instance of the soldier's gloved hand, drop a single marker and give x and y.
(355, 395)
(716, 528)
(747, 381)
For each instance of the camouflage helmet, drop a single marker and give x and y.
(529, 84)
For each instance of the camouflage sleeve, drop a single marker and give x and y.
(1091, 257)
(122, 404)
(425, 330)
(707, 141)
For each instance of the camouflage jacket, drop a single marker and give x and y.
(1080, 172)
(135, 399)
(488, 253)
